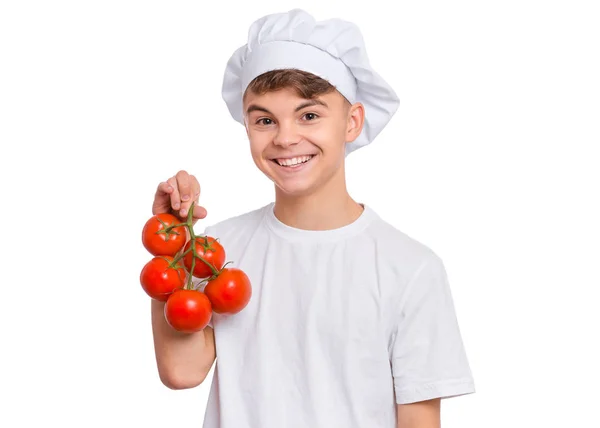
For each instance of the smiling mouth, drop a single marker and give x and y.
(292, 162)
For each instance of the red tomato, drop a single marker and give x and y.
(212, 252)
(160, 243)
(159, 280)
(229, 292)
(188, 311)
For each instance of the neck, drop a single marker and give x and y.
(329, 207)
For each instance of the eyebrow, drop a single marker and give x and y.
(255, 107)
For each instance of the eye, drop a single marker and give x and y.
(261, 121)
(311, 116)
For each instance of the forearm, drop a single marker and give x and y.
(183, 359)
(423, 414)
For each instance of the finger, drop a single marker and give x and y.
(184, 185)
(199, 212)
(161, 198)
(163, 189)
(175, 200)
(185, 191)
(195, 189)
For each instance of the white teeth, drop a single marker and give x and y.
(293, 161)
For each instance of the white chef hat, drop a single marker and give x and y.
(333, 49)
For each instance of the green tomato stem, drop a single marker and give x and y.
(180, 256)
(212, 268)
(189, 283)
(190, 221)
(190, 227)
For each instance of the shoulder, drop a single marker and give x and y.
(396, 246)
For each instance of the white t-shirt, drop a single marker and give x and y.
(342, 325)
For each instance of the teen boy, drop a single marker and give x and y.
(351, 322)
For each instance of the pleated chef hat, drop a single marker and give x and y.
(333, 49)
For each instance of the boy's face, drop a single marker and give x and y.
(298, 143)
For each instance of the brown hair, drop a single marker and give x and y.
(305, 84)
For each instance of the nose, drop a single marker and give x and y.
(287, 135)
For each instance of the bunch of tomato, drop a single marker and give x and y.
(180, 255)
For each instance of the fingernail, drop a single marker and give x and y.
(176, 206)
(185, 197)
(183, 212)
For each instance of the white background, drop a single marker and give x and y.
(491, 160)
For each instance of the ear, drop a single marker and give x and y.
(356, 120)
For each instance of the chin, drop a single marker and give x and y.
(296, 189)
(294, 186)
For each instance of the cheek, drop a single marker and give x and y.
(258, 144)
(330, 138)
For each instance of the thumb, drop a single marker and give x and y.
(199, 213)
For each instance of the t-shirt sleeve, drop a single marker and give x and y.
(428, 358)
